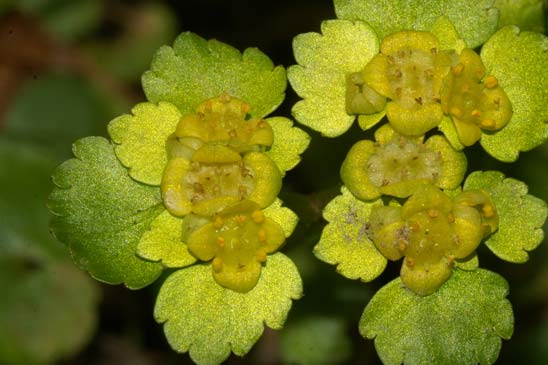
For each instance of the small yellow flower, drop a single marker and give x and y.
(431, 231)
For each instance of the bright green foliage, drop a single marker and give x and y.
(526, 14)
(519, 62)
(324, 61)
(462, 323)
(210, 321)
(315, 340)
(195, 70)
(101, 213)
(141, 139)
(284, 216)
(345, 240)
(447, 35)
(290, 143)
(41, 289)
(163, 242)
(474, 20)
(521, 216)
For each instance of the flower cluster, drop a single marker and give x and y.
(405, 194)
(190, 181)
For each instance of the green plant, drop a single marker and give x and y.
(414, 64)
(189, 182)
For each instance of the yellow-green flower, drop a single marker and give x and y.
(397, 165)
(431, 231)
(238, 240)
(190, 176)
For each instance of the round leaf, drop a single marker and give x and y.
(462, 323)
(289, 143)
(521, 216)
(195, 70)
(101, 213)
(345, 242)
(519, 61)
(210, 321)
(475, 21)
(141, 139)
(324, 60)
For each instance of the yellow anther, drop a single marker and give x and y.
(240, 219)
(257, 216)
(491, 82)
(218, 222)
(488, 211)
(451, 260)
(402, 245)
(198, 188)
(217, 264)
(224, 97)
(262, 235)
(262, 124)
(243, 191)
(221, 241)
(415, 226)
(475, 113)
(245, 108)
(232, 133)
(409, 262)
(433, 213)
(488, 123)
(457, 70)
(456, 112)
(450, 218)
(261, 256)
(208, 105)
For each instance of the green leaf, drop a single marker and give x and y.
(526, 14)
(101, 213)
(195, 70)
(521, 216)
(47, 309)
(289, 143)
(163, 242)
(475, 21)
(324, 60)
(345, 242)
(284, 216)
(462, 323)
(141, 139)
(315, 340)
(447, 127)
(519, 61)
(37, 117)
(41, 289)
(210, 321)
(447, 35)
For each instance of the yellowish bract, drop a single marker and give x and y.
(431, 231)
(238, 240)
(397, 165)
(409, 71)
(475, 102)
